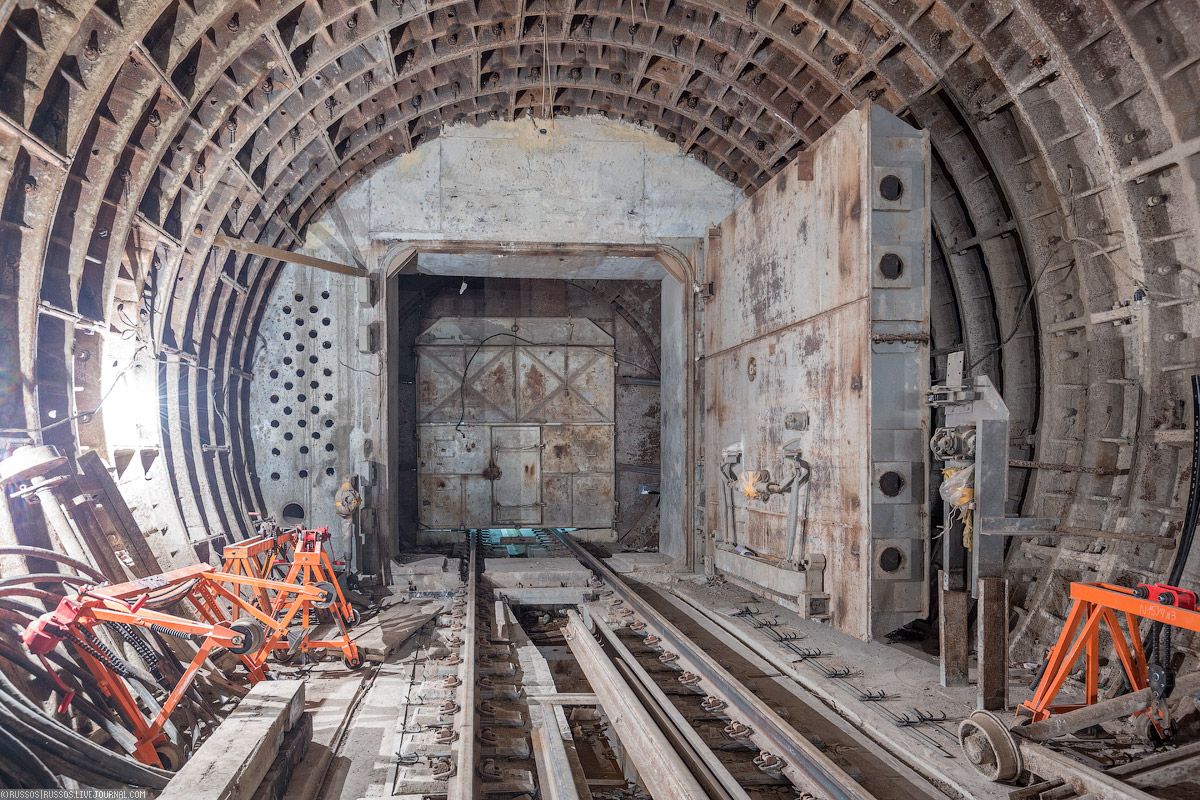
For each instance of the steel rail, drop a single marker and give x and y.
(708, 769)
(806, 766)
(659, 766)
(466, 783)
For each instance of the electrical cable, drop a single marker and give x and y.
(43, 577)
(1188, 532)
(69, 746)
(24, 765)
(52, 555)
(42, 676)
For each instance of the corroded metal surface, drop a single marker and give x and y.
(796, 297)
(518, 411)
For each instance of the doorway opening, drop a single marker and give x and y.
(519, 402)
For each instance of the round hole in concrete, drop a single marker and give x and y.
(274, 398)
(329, 471)
(890, 559)
(313, 384)
(325, 321)
(316, 434)
(274, 373)
(327, 344)
(299, 348)
(287, 309)
(287, 361)
(288, 385)
(312, 359)
(328, 423)
(891, 266)
(287, 410)
(274, 476)
(327, 372)
(890, 483)
(315, 409)
(303, 449)
(292, 514)
(299, 321)
(274, 451)
(300, 373)
(287, 336)
(329, 447)
(325, 295)
(274, 423)
(328, 396)
(303, 423)
(312, 334)
(301, 397)
(299, 298)
(287, 437)
(891, 188)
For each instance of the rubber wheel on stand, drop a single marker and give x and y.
(353, 663)
(330, 594)
(170, 755)
(252, 633)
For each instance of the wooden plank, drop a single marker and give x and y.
(254, 248)
(379, 637)
(331, 702)
(233, 762)
(94, 479)
(992, 647)
(953, 635)
(94, 537)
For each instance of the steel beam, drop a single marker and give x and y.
(465, 783)
(556, 780)
(660, 768)
(709, 769)
(265, 251)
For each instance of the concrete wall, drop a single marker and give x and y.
(577, 180)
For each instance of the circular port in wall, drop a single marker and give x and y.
(891, 483)
(891, 188)
(891, 266)
(890, 559)
(292, 514)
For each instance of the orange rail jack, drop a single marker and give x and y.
(257, 557)
(132, 605)
(1099, 602)
(311, 566)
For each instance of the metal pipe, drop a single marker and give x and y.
(1071, 721)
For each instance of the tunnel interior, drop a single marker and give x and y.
(864, 328)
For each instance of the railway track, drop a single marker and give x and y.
(737, 742)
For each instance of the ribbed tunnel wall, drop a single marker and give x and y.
(1066, 159)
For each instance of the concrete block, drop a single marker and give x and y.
(233, 762)
(513, 573)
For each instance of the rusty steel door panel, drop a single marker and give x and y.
(535, 398)
(517, 476)
(817, 337)
(453, 494)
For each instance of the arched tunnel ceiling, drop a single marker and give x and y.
(132, 132)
